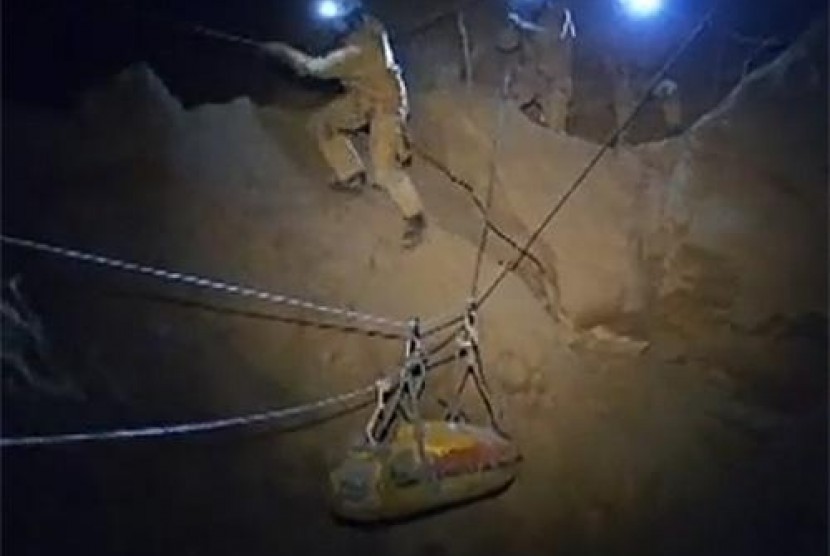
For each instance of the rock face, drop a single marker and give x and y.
(237, 193)
(590, 253)
(748, 203)
(722, 226)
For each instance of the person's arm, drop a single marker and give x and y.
(524, 24)
(665, 89)
(325, 67)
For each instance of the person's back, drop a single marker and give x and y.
(552, 45)
(543, 36)
(372, 71)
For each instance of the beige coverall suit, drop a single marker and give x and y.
(626, 96)
(375, 96)
(668, 94)
(544, 73)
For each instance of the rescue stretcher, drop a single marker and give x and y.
(404, 469)
(388, 482)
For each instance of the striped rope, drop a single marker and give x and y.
(215, 425)
(201, 282)
(185, 428)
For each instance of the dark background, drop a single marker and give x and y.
(53, 49)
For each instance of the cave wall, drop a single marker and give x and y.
(721, 230)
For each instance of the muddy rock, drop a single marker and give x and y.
(745, 208)
(721, 226)
(591, 252)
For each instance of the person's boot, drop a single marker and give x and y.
(354, 184)
(413, 233)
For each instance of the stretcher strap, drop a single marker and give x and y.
(470, 364)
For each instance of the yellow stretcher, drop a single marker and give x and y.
(389, 481)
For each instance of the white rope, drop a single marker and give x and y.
(568, 27)
(200, 282)
(185, 428)
(386, 381)
(441, 322)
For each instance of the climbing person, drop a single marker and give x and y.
(629, 86)
(624, 93)
(541, 33)
(633, 56)
(374, 97)
(667, 93)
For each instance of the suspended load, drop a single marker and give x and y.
(411, 467)
(464, 463)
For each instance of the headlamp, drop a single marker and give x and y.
(329, 9)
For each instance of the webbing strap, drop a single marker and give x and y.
(470, 364)
(402, 398)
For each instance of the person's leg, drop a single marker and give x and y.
(555, 105)
(384, 142)
(330, 126)
(673, 114)
(524, 91)
(624, 102)
(555, 68)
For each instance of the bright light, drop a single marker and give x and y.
(642, 8)
(328, 9)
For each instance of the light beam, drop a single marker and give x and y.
(641, 8)
(328, 9)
